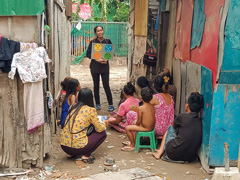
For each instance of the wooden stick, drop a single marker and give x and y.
(238, 165)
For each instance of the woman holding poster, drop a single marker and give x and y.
(99, 66)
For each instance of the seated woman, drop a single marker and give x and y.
(172, 90)
(74, 139)
(124, 115)
(141, 83)
(163, 105)
(72, 88)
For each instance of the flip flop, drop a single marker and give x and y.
(126, 143)
(89, 160)
(165, 158)
(128, 148)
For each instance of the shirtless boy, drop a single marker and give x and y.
(145, 121)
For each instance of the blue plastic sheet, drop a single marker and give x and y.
(198, 23)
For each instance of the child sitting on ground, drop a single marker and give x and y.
(145, 121)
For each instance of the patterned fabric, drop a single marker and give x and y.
(130, 117)
(164, 115)
(27, 46)
(74, 133)
(30, 65)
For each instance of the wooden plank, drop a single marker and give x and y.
(68, 10)
(130, 38)
(141, 18)
(140, 44)
(171, 35)
(138, 70)
(163, 39)
(183, 31)
(193, 83)
(183, 87)
(176, 73)
(222, 38)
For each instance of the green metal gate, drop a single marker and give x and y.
(115, 31)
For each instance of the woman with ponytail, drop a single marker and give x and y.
(163, 105)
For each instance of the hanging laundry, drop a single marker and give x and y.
(30, 65)
(7, 49)
(27, 46)
(33, 105)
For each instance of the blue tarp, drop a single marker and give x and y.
(198, 23)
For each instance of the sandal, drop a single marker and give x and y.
(89, 160)
(128, 148)
(126, 143)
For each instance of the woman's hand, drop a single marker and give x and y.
(106, 122)
(102, 60)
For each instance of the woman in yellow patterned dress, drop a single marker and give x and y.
(74, 139)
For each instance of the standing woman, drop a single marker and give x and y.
(100, 67)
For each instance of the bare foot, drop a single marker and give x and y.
(156, 155)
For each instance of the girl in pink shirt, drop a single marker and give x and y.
(124, 115)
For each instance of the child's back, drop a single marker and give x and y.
(148, 116)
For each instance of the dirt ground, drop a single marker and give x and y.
(65, 168)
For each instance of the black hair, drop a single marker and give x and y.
(95, 28)
(143, 82)
(195, 102)
(129, 89)
(146, 94)
(64, 83)
(71, 88)
(85, 97)
(159, 81)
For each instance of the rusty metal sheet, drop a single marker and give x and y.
(183, 30)
(193, 82)
(206, 54)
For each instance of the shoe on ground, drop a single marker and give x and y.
(98, 107)
(110, 108)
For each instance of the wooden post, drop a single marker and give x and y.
(238, 165)
(226, 157)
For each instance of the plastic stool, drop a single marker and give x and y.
(151, 135)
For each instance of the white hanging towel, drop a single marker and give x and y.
(33, 105)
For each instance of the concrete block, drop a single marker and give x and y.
(221, 174)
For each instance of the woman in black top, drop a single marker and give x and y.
(100, 67)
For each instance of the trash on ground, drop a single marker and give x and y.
(15, 174)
